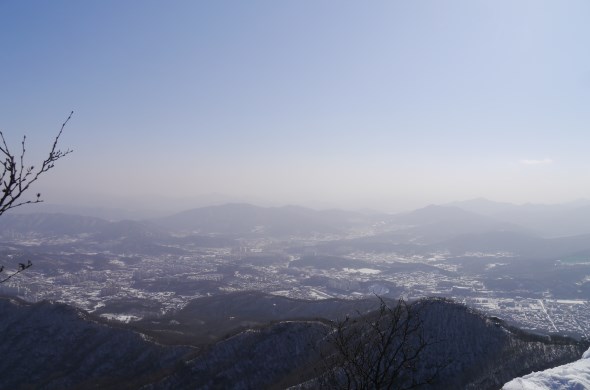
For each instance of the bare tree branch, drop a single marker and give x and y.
(16, 177)
(21, 268)
(381, 350)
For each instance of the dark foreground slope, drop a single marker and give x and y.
(55, 346)
(484, 353)
(476, 352)
(272, 357)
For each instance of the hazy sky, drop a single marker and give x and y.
(382, 104)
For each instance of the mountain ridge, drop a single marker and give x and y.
(73, 349)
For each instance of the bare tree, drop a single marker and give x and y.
(382, 350)
(17, 176)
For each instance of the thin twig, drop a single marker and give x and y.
(21, 268)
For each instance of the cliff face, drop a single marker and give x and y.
(54, 346)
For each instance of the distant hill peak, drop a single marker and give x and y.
(482, 206)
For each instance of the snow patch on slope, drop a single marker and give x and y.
(572, 376)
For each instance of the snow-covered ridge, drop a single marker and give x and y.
(572, 376)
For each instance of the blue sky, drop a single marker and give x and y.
(386, 105)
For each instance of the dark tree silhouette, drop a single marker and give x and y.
(381, 350)
(17, 176)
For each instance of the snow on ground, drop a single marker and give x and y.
(120, 317)
(572, 376)
(367, 271)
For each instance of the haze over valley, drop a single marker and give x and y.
(528, 265)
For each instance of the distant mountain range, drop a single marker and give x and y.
(437, 223)
(470, 225)
(434, 222)
(50, 224)
(245, 219)
(554, 220)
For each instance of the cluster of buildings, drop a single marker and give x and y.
(172, 281)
